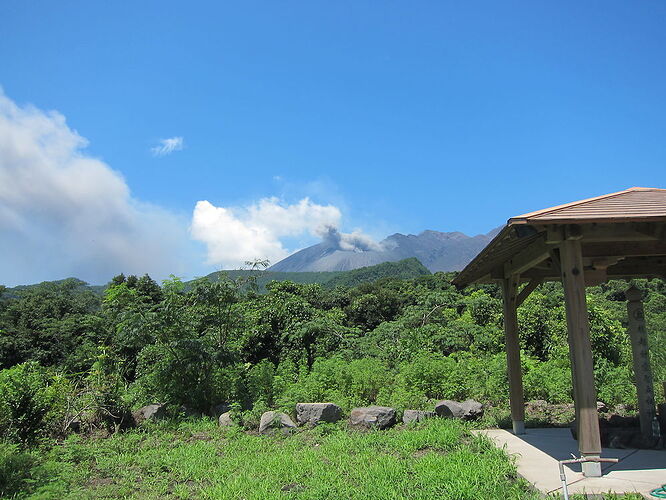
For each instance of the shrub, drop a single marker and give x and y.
(101, 403)
(260, 381)
(435, 376)
(15, 469)
(615, 384)
(548, 380)
(458, 376)
(347, 383)
(32, 403)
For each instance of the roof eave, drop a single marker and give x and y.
(462, 280)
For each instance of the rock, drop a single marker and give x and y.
(449, 409)
(471, 410)
(225, 420)
(218, 410)
(467, 410)
(417, 415)
(272, 421)
(377, 417)
(602, 407)
(149, 412)
(314, 413)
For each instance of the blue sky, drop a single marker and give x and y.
(402, 116)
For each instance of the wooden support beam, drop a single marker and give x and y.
(510, 294)
(527, 290)
(608, 231)
(573, 281)
(630, 267)
(648, 267)
(624, 249)
(555, 260)
(537, 252)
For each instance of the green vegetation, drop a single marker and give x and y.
(73, 365)
(440, 459)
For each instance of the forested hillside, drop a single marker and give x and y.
(403, 269)
(398, 342)
(73, 361)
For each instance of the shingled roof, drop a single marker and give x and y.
(633, 205)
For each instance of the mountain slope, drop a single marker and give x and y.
(404, 269)
(435, 250)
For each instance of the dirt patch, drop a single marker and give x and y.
(199, 436)
(101, 481)
(292, 488)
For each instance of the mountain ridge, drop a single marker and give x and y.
(436, 250)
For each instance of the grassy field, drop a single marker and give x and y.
(195, 459)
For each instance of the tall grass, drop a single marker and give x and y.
(437, 459)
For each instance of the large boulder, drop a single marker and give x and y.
(416, 415)
(373, 417)
(472, 410)
(272, 421)
(225, 420)
(467, 410)
(314, 413)
(149, 412)
(449, 409)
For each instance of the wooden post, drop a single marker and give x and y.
(510, 293)
(641, 361)
(573, 281)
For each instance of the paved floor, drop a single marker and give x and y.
(537, 453)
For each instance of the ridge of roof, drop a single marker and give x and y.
(519, 219)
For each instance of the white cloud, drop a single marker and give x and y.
(168, 146)
(65, 213)
(234, 235)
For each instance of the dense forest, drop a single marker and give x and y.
(75, 360)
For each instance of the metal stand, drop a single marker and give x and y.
(582, 460)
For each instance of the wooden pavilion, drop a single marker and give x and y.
(616, 236)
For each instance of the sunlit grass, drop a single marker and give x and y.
(438, 459)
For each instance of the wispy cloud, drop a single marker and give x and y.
(167, 146)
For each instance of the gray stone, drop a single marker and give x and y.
(149, 412)
(314, 413)
(416, 415)
(471, 410)
(225, 420)
(272, 421)
(467, 410)
(449, 409)
(373, 417)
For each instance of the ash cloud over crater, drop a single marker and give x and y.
(355, 241)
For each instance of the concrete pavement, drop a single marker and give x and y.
(538, 451)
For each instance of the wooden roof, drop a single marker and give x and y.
(634, 204)
(622, 234)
